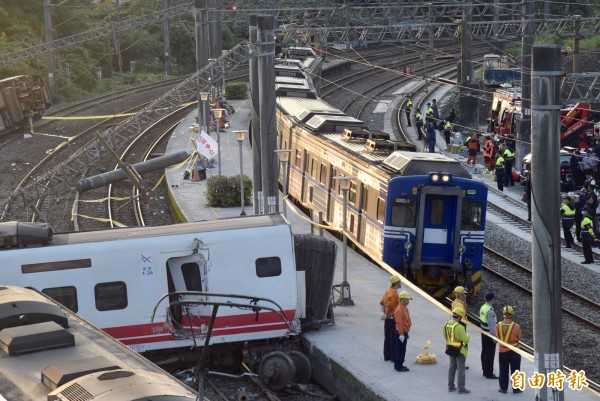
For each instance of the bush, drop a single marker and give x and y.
(236, 90)
(222, 191)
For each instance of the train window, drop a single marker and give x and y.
(298, 158)
(380, 210)
(66, 296)
(111, 296)
(472, 218)
(436, 212)
(404, 212)
(352, 193)
(191, 276)
(323, 174)
(314, 168)
(268, 267)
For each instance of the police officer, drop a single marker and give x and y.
(587, 236)
(487, 318)
(499, 171)
(408, 105)
(429, 113)
(388, 303)
(419, 120)
(508, 332)
(579, 204)
(567, 212)
(447, 131)
(509, 158)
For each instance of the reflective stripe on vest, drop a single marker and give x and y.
(505, 337)
(450, 340)
(483, 316)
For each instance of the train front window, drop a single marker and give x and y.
(472, 215)
(436, 212)
(404, 212)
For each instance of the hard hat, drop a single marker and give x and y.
(394, 279)
(404, 295)
(508, 311)
(460, 290)
(458, 311)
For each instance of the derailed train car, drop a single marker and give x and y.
(23, 98)
(420, 213)
(269, 286)
(49, 353)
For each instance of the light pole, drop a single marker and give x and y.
(202, 112)
(218, 113)
(345, 299)
(239, 136)
(284, 156)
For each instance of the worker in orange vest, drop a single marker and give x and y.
(489, 152)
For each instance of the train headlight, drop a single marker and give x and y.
(440, 177)
(462, 249)
(408, 246)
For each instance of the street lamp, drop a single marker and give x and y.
(345, 299)
(202, 123)
(239, 136)
(284, 156)
(218, 113)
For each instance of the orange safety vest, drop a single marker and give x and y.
(473, 143)
(488, 149)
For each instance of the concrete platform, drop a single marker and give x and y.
(348, 356)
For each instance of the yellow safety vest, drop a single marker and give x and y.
(450, 340)
(568, 211)
(483, 316)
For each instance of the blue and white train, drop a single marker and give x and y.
(420, 213)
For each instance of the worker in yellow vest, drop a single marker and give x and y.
(457, 339)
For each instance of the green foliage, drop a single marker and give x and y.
(236, 90)
(222, 191)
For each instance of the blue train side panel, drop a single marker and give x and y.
(435, 231)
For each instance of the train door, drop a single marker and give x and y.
(188, 273)
(439, 216)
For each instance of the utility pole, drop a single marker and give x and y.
(255, 138)
(545, 204)
(117, 47)
(265, 36)
(523, 143)
(50, 46)
(215, 36)
(576, 37)
(166, 39)
(201, 15)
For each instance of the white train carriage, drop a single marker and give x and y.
(49, 353)
(113, 278)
